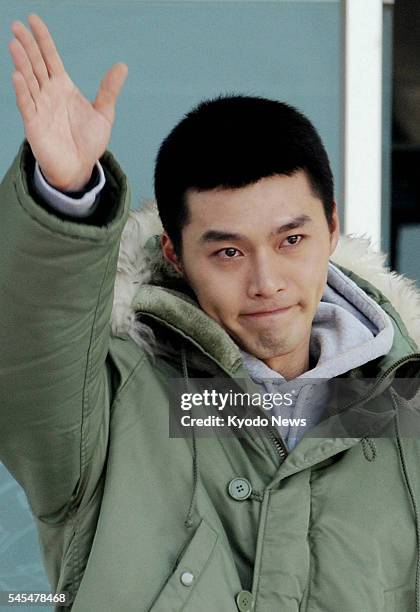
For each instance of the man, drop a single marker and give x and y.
(238, 287)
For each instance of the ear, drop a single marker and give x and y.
(334, 229)
(168, 252)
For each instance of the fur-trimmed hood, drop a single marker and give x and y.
(141, 263)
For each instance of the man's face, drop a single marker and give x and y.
(257, 259)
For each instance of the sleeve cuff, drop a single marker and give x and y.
(76, 207)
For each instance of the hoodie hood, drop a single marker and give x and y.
(147, 290)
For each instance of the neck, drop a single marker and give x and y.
(291, 365)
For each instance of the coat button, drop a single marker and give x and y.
(244, 601)
(240, 489)
(187, 578)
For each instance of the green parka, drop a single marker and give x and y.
(130, 519)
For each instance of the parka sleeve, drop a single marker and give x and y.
(56, 290)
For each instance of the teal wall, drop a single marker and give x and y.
(178, 53)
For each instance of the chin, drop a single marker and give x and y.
(264, 352)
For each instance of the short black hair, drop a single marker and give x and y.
(232, 142)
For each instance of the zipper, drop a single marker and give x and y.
(278, 443)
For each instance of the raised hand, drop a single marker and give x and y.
(67, 132)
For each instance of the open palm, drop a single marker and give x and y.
(67, 132)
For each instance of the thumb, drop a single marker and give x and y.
(109, 89)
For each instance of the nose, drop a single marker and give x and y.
(266, 277)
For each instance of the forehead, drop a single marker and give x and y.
(271, 201)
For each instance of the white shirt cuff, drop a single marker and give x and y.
(76, 207)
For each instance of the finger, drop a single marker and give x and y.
(24, 99)
(24, 66)
(32, 51)
(46, 44)
(109, 90)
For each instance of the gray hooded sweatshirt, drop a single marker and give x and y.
(349, 329)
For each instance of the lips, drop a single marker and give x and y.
(264, 313)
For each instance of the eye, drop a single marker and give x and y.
(229, 253)
(294, 239)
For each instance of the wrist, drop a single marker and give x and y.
(73, 185)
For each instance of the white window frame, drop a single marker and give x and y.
(362, 114)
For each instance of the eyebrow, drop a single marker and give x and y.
(220, 235)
